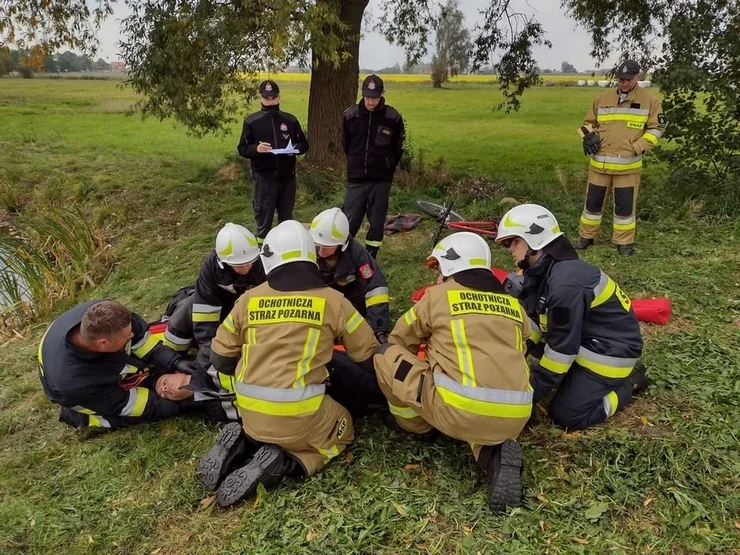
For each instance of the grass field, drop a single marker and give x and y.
(660, 477)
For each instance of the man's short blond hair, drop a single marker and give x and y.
(105, 319)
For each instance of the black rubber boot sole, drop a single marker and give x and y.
(506, 491)
(211, 467)
(243, 482)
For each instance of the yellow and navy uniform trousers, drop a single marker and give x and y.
(106, 390)
(629, 125)
(591, 337)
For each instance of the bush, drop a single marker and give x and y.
(27, 72)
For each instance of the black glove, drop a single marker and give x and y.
(382, 337)
(184, 366)
(591, 143)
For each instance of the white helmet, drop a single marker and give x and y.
(461, 251)
(235, 245)
(532, 222)
(330, 228)
(289, 242)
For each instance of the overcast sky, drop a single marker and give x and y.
(569, 43)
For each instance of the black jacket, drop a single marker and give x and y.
(584, 318)
(373, 142)
(271, 125)
(93, 383)
(357, 276)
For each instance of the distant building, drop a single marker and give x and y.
(118, 66)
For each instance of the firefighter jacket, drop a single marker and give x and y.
(373, 142)
(104, 384)
(475, 335)
(584, 318)
(628, 125)
(359, 278)
(271, 125)
(216, 290)
(282, 333)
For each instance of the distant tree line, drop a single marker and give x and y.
(26, 62)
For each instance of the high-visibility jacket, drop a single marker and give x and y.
(283, 340)
(475, 348)
(628, 126)
(584, 318)
(97, 383)
(359, 278)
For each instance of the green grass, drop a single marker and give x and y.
(662, 476)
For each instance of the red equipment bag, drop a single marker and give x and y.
(656, 310)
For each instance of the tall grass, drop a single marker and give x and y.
(49, 256)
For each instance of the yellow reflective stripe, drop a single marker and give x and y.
(649, 137)
(39, 353)
(206, 316)
(478, 262)
(354, 322)
(611, 403)
(226, 382)
(98, 421)
(377, 299)
(624, 226)
(402, 412)
(291, 254)
(553, 366)
(606, 370)
(464, 356)
(330, 453)
(410, 316)
(146, 346)
(615, 167)
(309, 352)
(277, 408)
(590, 219)
(604, 295)
(228, 323)
(622, 117)
(373, 243)
(244, 361)
(83, 410)
(519, 341)
(484, 408)
(543, 323)
(137, 407)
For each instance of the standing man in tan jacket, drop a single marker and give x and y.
(619, 128)
(277, 342)
(474, 384)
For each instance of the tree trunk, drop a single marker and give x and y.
(334, 89)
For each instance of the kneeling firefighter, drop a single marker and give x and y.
(474, 384)
(592, 337)
(277, 341)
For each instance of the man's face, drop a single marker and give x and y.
(326, 252)
(371, 103)
(169, 386)
(517, 248)
(626, 85)
(114, 343)
(274, 101)
(242, 269)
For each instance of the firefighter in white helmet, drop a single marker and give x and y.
(232, 268)
(276, 342)
(474, 384)
(591, 336)
(346, 265)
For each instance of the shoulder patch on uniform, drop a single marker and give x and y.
(661, 119)
(366, 271)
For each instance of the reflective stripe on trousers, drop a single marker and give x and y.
(501, 403)
(280, 402)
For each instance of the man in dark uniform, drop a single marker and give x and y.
(273, 174)
(373, 138)
(227, 272)
(592, 337)
(99, 362)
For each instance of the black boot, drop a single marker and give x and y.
(230, 450)
(626, 250)
(503, 465)
(583, 244)
(268, 467)
(639, 380)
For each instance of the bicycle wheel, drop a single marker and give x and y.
(437, 211)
